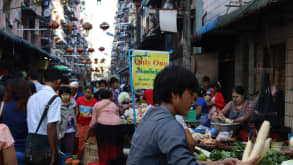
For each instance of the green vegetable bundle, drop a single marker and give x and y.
(236, 152)
(273, 158)
(219, 155)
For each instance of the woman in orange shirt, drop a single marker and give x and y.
(217, 101)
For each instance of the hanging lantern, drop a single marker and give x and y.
(101, 49)
(81, 58)
(96, 61)
(70, 26)
(87, 26)
(91, 50)
(69, 50)
(80, 50)
(53, 25)
(104, 26)
(73, 25)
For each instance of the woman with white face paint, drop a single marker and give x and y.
(239, 109)
(67, 125)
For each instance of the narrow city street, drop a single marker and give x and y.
(146, 82)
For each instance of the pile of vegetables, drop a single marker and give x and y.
(261, 146)
(249, 151)
(236, 152)
(273, 158)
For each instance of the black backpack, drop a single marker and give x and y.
(266, 108)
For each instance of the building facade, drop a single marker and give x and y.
(42, 30)
(247, 45)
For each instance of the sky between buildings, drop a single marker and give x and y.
(97, 13)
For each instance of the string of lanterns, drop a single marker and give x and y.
(87, 27)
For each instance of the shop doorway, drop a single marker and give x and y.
(226, 74)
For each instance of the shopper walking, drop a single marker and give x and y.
(105, 121)
(14, 113)
(35, 77)
(114, 85)
(102, 85)
(68, 124)
(43, 113)
(75, 93)
(85, 106)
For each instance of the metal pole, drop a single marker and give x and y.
(187, 37)
(131, 84)
(130, 56)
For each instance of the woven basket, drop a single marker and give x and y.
(90, 153)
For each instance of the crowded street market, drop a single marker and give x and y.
(146, 82)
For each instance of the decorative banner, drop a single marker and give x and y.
(145, 69)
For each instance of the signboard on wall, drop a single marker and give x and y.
(145, 69)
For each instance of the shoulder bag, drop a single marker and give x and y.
(37, 149)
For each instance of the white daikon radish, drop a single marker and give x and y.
(247, 151)
(260, 140)
(266, 147)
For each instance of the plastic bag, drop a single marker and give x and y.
(224, 136)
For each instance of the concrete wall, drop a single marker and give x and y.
(207, 65)
(241, 54)
(289, 83)
(256, 46)
(14, 16)
(215, 8)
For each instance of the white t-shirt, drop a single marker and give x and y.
(180, 120)
(36, 106)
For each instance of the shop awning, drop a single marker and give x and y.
(227, 19)
(208, 27)
(28, 11)
(61, 67)
(9, 40)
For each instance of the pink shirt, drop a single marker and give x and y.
(108, 116)
(6, 139)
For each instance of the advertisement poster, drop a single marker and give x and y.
(145, 69)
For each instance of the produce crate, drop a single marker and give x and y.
(226, 147)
